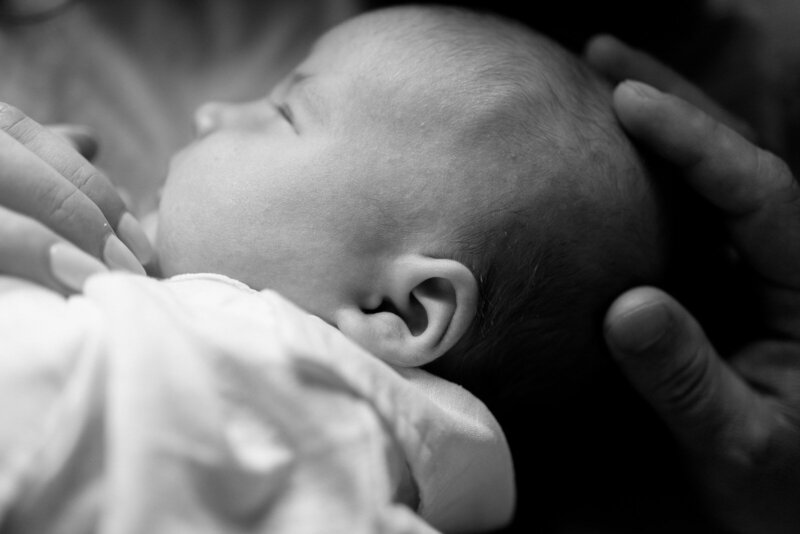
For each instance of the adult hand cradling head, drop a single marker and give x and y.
(737, 415)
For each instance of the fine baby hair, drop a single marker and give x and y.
(580, 220)
(551, 263)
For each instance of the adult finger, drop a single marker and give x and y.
(81, 138)
(30, 250)
(667, 357)
(57, 153)
(617, 62)
(32, 188)
(753, 188)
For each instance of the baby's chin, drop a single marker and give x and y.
(168, 245)
(181, 247)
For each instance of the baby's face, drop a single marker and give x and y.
(306, 190)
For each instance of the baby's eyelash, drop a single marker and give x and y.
(286, 112)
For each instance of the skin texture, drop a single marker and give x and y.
(342, 190)
(133, 72)
(316, 188)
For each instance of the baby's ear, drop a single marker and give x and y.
(426, 306)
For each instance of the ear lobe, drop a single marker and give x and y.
(427, 305)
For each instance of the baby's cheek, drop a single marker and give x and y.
(176, 238)
(198, 235)
(167, 251)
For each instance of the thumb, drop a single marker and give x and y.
(668, 359)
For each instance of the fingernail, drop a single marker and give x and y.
(72, 266)
(641, 89)
(639, 328)
(131, 233)
(601, 42)
(118, 257)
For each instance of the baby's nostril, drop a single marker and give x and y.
(203, 124)
(207, 118)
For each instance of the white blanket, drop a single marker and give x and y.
(197, 405)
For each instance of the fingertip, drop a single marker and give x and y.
(131, 232)
(636, 90)
(601, 48)
(637, 321)
(637, 106)
(118, 257)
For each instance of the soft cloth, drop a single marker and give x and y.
(199, 405)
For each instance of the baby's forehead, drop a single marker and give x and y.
(408, 65)
(454, 54)
(366, 45)
(391, 81)
(522, 104)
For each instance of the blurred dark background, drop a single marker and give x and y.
(675, 30)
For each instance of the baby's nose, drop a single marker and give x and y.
(211, 116)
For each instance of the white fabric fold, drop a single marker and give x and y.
(199, 405)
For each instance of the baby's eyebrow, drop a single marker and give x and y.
(296, 78)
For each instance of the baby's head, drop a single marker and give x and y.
(445, 187)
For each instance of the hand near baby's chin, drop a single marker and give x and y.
(736, 415)
(61, 220)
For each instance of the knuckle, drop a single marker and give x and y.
(762, 446)
(682, 385)
(762, 443)
(699, 127)
(80, 175)
(13, 119)
(63, 210)
(686, 393)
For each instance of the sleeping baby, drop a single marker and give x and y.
(443, 187)
(432, 189)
